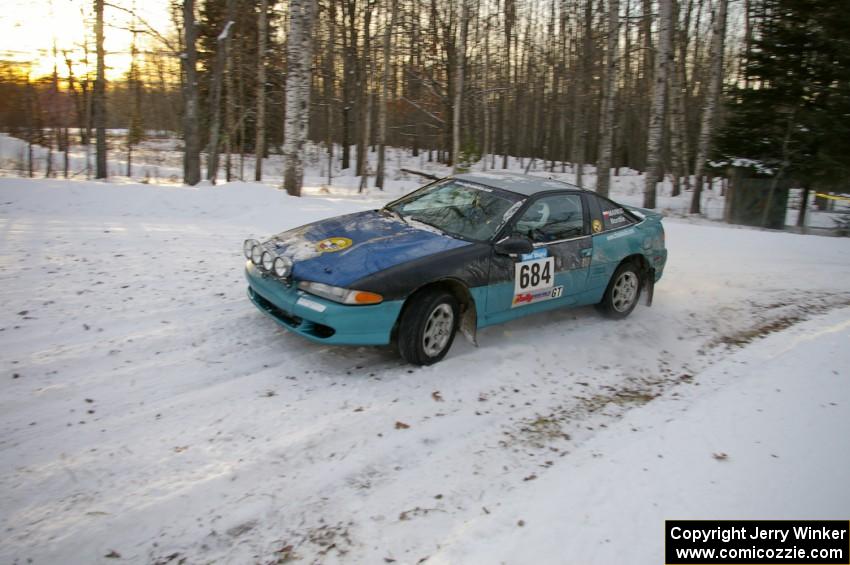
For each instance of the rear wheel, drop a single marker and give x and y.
(427, 327)
(623, 292)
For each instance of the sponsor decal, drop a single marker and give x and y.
(526, 298)
(620, 234)
(332, 244)
(597, 226)
(615, 216)
(307, 303)
(536, 254)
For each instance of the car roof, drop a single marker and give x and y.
(527, 185)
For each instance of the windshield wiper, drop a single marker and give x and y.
(392, 213)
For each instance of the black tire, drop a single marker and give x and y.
(623, 292)
(425, 325)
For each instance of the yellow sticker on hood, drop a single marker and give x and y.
(332, 244)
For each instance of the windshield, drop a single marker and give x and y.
(458, 208)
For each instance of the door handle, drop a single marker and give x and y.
(587, 252)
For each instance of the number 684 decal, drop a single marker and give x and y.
(535, 282)
(536, 274)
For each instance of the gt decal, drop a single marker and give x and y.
(332, 244)
(536, 274)
(597, 226)
(537, 296)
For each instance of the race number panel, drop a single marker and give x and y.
(537, 274)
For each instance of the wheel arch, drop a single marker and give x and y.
(641, 261)
(457, 288)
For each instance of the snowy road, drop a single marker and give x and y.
(147, 410)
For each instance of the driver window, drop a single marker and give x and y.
(552, 218)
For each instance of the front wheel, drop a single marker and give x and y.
(427, 327)
(623, 292)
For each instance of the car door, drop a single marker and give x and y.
(554, 274)
(613, 230)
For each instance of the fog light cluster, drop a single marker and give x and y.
(265, 260)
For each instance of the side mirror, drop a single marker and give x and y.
(514, 245)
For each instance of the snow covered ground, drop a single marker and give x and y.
(149, 413)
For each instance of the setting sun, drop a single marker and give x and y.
(29, 29)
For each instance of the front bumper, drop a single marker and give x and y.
(320, 320)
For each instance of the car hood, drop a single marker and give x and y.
(357, 245)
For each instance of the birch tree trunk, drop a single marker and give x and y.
(191, 133)
(229, 111)
(382, 98)
(510, 19)
(330, 89)
(606, 129)
(260, 143)
(485, 98)
(663, 59)
(463, 26)
(299, 57)
(711, 97)
(678, 114)
(364, 141)
(100, 95)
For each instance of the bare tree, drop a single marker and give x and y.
(663, 59)
(191, 131)
(607, 124)
(260, 145)
(679, 142)
(460, 63)
(581, 100)
(215, 94)
(382, 99)
(711, 97)
(100, 94)
(299, 58)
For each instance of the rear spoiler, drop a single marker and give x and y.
(643, 213)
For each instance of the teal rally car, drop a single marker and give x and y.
(460, 253)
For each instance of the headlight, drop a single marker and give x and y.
(256, 254)
(341, 295)
(282, 266)
(267, 260)
(248, 246)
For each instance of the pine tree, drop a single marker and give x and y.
(794, 116)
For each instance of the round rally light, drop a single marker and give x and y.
(248, 246)
(267, 260)
(282, 266)
(256, 254)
